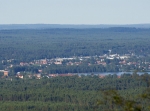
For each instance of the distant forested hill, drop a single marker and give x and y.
(47, 26)
(27, 44)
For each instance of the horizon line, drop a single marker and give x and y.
(72, 24)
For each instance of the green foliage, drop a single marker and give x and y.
(26, 45)
(116, 102)
(72, 93)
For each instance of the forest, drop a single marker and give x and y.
(77, 93)
(85, 93)
(31, 44)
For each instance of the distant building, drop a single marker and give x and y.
(43, 61)
(19, 75)
(53, 75)
(1, 70)
(111, 58)
(101, 76)
(119, 76)
(40, 71)
(124, 57)
(58, 62)
(21, 63)
(5, 73)
(59, 59)
(38, 76)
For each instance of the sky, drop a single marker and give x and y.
(74, 11)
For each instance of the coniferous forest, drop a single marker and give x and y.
(128, 92)
(85, 93)
(30, 44)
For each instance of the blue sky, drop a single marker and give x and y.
(74, 11)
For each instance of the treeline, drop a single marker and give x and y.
(63, 69)
(68, 93)
(80, 69)
(26, 45)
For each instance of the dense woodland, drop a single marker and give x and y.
(62, 69)
(71, 93)
(85, 93)
(30, 44)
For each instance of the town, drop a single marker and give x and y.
(44, 67)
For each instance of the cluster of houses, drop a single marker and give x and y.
(76, 60)
(5, 72)
(73, 60)
(39, 76)
(98, 60)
